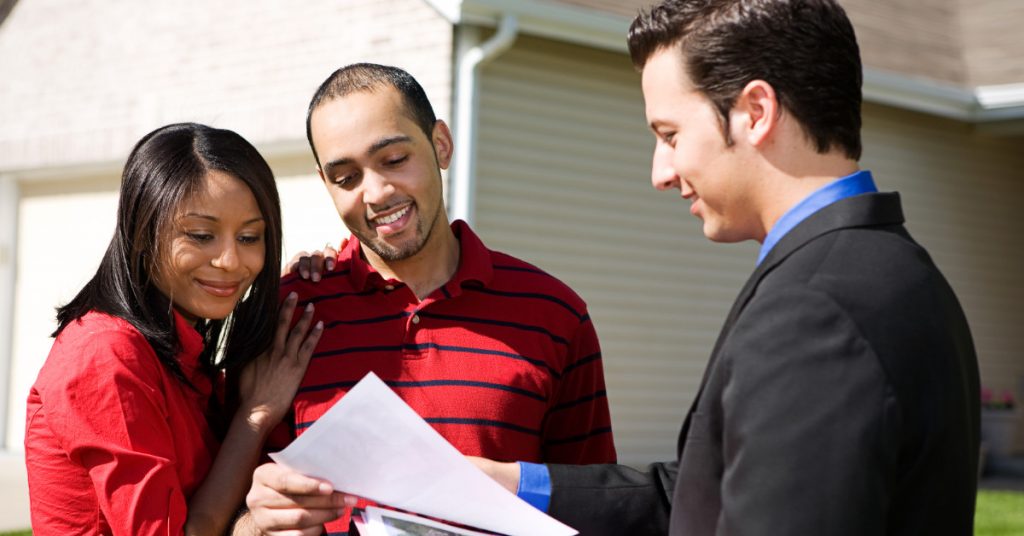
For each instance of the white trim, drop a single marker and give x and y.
(1001, 96)
(271, 151)
(471, 58)
(8, 243)
(63, 172)
(984, 104)
(546, 19)
(607, 31)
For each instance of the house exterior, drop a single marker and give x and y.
(552, 157)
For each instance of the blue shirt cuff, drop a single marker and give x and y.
(534, 485)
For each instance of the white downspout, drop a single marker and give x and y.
(463, 183)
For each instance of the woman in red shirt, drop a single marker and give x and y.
(126, 432)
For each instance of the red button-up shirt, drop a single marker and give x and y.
(114, 443)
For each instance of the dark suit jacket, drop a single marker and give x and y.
(841, 398)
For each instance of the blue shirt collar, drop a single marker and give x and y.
(857, 183)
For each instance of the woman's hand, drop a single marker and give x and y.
(312, 266)
(267, 385)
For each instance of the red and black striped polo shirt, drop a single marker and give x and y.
(502, 360)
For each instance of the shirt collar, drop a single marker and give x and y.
(474, 262)
(857, 183)
(474, 259)
(191, 343)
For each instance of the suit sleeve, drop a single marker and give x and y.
(577, 427)
(805, 413)
(613, 499)
(111, 418)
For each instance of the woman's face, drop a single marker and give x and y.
(213, 249)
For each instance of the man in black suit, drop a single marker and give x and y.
(842, 394)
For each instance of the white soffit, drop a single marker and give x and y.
(607, 31)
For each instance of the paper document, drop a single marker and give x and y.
(376, 521)
(372, 444)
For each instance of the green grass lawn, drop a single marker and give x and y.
(1000, 513)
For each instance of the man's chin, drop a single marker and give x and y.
(392, 253)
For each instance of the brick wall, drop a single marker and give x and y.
(995, 48)
(961, 42)
(82, 81)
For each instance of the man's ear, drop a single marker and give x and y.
(441, 137)
(760, 106)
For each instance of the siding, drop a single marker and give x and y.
(563, 183)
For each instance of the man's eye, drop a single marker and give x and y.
(397, 161)
(349, 179)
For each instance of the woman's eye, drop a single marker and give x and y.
(250, 239)
(199, 237)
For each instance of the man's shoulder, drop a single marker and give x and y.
(515, 275)
(887, 252)
(331, 282)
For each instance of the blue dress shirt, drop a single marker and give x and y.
(856, 183)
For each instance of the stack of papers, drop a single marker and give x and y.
(374, 521)
(372, 444)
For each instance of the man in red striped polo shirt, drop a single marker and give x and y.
(500, 357)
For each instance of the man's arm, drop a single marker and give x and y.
(613, 499)
(577, 427)
(601, 499)
(809, 424)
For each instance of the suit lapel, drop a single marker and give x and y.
(857, 211)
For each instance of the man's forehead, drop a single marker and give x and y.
(359, 119)
(381, 102)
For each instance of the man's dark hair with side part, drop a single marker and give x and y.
(806, 50)
(373, 77)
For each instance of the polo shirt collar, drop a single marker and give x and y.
(474, 259)
(474, 262)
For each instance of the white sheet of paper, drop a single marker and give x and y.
(372, 444)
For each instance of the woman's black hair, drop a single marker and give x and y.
(163, 170)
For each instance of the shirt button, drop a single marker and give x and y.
(389, 287)
(415, 319)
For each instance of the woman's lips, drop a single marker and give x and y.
(221, 289)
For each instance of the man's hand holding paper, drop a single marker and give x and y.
(372, 444)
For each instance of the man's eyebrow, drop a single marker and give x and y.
(377, 146)
(380, 144)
